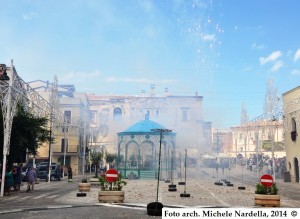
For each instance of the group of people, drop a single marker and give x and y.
(13, 179)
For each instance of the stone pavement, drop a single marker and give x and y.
(200, 185)
(202, 190)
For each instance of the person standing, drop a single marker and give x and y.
(17, 173)
(70, 173)
(9, 181)
(15, 176)
(31, 178)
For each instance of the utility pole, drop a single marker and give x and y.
(244, 121)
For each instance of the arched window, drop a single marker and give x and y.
(294, 130)
(117, 113)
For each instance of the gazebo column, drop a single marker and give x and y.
(119, 157)
(139, 161)
(125, 164)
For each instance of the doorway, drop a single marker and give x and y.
(296, 166)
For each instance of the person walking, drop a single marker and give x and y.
(31, 178)
(70, 173)
(57, 173)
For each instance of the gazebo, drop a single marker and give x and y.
(138, 150)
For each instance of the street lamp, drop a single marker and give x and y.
(50, 153)
(274, 120)
(155, 208)
(8, 110)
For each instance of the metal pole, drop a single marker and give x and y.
(159, 156)
(273, 158)
(185, 171)
(65, 147)
(84, 146)
(7, 130)
(49, 155)
(158, 165)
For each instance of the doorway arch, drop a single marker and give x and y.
(296, 169)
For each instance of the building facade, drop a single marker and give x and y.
(70, 131)
(258, 137)
(291, 100)
(182, 114)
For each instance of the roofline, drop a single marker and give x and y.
(144, 133)
(290, 91)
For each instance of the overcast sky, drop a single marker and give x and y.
(226, 50)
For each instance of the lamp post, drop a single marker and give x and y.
(155, 208)
(274, 120)
(50, 152)
(8, 111)
(66, 142)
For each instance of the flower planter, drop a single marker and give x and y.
(84, 187)
(267, 200)
(94, 182)
(111, 196)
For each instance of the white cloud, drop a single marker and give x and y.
(208, 37)
(258, 46)
(30, 15)
(276, 66)
(271, 58)
(295, 72)
(78, 76)
(297, 55)
(147, 6)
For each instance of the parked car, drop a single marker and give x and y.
(42, 172)
(44, 163)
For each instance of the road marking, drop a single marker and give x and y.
(23, 198)
(40, 196)
(215, 196)
(59, 206)
(52, 196)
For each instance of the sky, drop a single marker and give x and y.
(225, 50)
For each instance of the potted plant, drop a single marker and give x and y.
(84, 186)
(267, 197)
(111, 192)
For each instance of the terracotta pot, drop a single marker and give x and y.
(84, 187)
(267, 200)
(111, 196)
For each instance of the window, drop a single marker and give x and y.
(67, 116)
(240, 136)
(67, 160)
(117, 113)
(294, 130)
(157, 113)
(93, 116)
(64, 143)
(184, 116)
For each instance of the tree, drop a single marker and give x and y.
(27, 135)
(110, 158)
(96, 157)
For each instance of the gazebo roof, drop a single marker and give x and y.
(142, 127)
